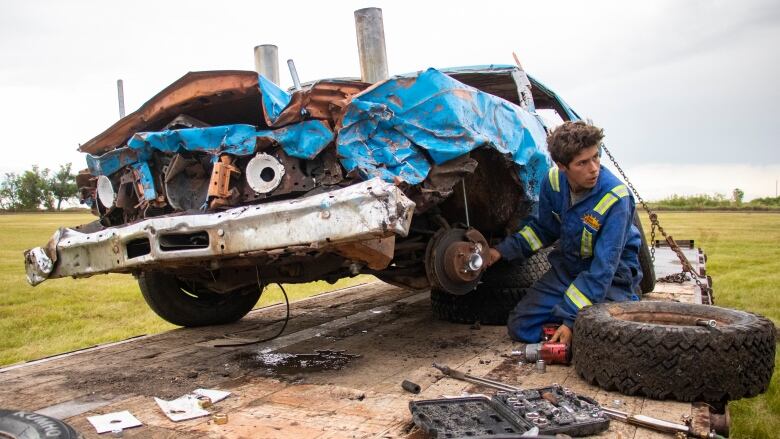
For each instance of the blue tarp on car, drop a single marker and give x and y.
(303, 140)
(395, 130)
(399, 128)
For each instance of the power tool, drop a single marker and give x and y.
(551, 353)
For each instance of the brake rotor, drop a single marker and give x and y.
(454, 260)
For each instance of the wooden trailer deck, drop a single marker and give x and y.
(391, 330)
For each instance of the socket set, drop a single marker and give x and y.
(555, 409)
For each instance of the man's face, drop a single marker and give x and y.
(583, 171)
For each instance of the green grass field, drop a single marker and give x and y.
(67, 314)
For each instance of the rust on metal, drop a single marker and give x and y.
(201, 88)
(324, 100)
(376, 253)
(220, 192)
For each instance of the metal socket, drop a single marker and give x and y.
(410, 387)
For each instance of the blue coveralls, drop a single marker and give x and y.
(596, 260)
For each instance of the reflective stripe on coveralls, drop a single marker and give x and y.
(577, 298)
(554, 182)
(530, 236)
(602, 207)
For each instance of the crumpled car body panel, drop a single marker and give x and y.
(205, 137)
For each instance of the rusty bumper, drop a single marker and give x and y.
(361, 212)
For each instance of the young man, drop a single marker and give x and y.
(589, 212)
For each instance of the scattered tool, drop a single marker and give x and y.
(659, 424)
(706, 323)
(410, 387)
(458, 375)
(551, 353)
(639, 420)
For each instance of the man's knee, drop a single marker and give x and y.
(524, 328)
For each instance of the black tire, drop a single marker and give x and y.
(656, 350)
(489, 307)
(29, 425)
(647, 284)
(188, 304)
(517, 274)
(504, 285)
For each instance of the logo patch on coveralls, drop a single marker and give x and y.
(592, 222)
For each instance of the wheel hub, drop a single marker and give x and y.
(455, 258)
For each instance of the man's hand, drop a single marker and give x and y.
(493, 256)
(562, 335)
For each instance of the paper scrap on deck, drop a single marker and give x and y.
(214, 395)
(114, 421)
(181, 409)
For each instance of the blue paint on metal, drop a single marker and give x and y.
(230, 139)
(115, 160)
(146, 179)
(274, 98)
(303, 140)
(391, 131)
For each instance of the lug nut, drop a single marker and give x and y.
(475, 262)
(706, 323)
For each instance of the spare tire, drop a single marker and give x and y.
(20, 424)
(647, 285)
(656, 349)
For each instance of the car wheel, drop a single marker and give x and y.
(656, 349)
(487, 307)
(191, 304)
(504, 284)
(513, 274)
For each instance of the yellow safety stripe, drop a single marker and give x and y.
(606, 202)
(576, 296)
(586, 244)
(621, 191)
(530, 236)
(554, 182)
(617, 192)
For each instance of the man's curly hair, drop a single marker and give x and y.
(566, 141)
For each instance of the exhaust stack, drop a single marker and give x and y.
(371, 44)
(267, 62)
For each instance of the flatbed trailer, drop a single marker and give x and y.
(358, 345)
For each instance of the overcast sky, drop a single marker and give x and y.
(686, 90)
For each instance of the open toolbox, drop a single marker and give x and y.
(554, 409)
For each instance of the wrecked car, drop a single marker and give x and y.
(223, 183)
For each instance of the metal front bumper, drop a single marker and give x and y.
(364, 211)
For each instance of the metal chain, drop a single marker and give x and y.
(654, 224)
(676, 278)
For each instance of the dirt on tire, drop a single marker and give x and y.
(503, 286)
(656, 349)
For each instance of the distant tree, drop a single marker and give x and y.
(63, 184)
(34, 190)
(737, 196)
(9, 191)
